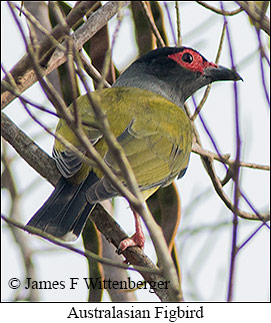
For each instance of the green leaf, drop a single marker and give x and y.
(92, 242)
(158, 17)
(143, 33)
(97, 48)
(165, 207)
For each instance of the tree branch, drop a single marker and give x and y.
(29, 150)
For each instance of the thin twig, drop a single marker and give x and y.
(107, 65)
(178, 22)
(263, 218)
(68, 246)
(208, 162)
(242, 245)
(171, 24)
(197, 149)
(218, 11)
(208, 89)
(92, 71)
(14, 90)
(236, 174)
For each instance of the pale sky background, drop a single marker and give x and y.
(204, 257)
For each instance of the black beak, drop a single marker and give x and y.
(221, 73)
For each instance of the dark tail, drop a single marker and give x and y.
(65, 212)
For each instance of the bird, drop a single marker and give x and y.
(145, 111)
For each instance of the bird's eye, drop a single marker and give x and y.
(187, 58)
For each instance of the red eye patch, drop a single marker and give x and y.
(191, 60)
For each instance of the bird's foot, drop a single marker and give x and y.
(137, 240)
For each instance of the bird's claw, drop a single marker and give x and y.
(137, 240)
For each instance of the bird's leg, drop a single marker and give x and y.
(137, 240)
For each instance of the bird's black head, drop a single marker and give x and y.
(174, 72)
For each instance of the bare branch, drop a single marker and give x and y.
(29, 150)
(208, 89)
(197, 149)
(219, 11)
